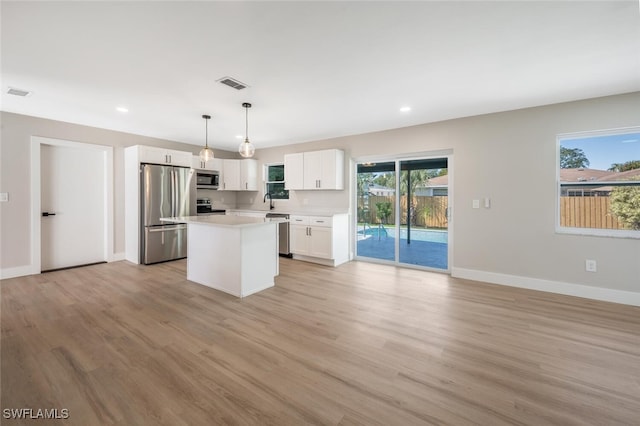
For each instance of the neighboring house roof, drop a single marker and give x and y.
(619, 176)
(375, 188)
(582, 175)
(439, 181)
(594, 175)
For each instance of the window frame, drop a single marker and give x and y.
(594, 232)
(267, 181)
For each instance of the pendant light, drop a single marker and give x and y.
(206, 153)
(246, 148)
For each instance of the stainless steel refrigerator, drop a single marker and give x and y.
(167, 191)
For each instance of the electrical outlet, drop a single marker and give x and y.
(590, 265)
(4, 197)
(476, 204)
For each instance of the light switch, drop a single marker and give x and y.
(4, 197)
(476, 204)
(487, 203)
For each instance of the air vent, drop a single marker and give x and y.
(18, 92)
(232, 82)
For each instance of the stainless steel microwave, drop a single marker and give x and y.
(207, 179)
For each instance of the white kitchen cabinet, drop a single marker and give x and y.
(214, 164)
(248, 175)
(320, 239)
(240, 175)
(154, 155)
(299, 240)
(293, 171)
(315, 170)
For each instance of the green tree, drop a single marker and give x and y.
(623, 167)
(364, 181)
(418, 178)
(388, 180)
(625, 204)
(384, 210)
(573, 158)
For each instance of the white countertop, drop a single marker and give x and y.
(224, 220)
(311, 212)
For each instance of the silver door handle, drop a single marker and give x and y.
(166, 229)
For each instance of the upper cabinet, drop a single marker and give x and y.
(213, 164)
(293, 171)
(315, 170)
(240, 175)
(154, 155)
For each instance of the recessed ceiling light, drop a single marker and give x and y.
(405, 109)
(122, 109)
(239, 136)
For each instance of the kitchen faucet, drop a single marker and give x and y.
(264, 200)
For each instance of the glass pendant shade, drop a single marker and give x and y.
(246, 149)
(206, 153)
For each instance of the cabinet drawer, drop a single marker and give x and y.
(321, 221)
(299, 220)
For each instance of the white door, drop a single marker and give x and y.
(73, 206)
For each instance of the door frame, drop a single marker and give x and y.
(448, 154)
(36, 212)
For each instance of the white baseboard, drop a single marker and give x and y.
(19, 271)
(115, 257)
(578, 290)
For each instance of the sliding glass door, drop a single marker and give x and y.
(376, 210)
(403, 212)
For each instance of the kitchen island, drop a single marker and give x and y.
(234, 254)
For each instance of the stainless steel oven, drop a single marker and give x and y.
(205, 208)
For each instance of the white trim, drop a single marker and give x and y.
(589, 232)
(598, 232)
(36, 142)
(18, 271)
(569, 289)
(116, 257)
(444, 153)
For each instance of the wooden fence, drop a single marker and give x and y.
(427, 211)
(588, 212)
(431, 212)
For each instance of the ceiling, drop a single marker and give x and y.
(315, 70)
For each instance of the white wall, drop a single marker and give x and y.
(15, 138)
(511, 158)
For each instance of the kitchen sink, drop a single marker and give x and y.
(282, 215)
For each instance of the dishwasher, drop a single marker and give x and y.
(283, 232)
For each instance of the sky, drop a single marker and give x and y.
(602, 151)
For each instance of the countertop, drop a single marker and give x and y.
(224, 220)
(311, 212)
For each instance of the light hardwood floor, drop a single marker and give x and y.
(361, 344)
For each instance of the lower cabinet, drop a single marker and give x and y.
(320, 239)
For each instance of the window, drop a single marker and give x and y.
(599, 183)
(275, 182)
